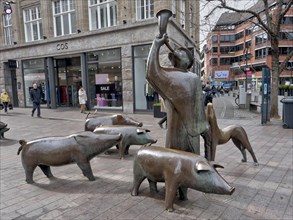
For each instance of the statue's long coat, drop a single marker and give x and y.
(182, 93)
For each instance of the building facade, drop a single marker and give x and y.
(237, 50)
(101, 44)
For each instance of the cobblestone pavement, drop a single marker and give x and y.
(262, 192)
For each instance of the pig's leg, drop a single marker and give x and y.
(246, 145)
(121, 150)
(153, 186)
(29, 171)
(183, 193)
(138, 177)
(86, 169)
(46, 170)
(170, 193)
(207, 144)
(241, 148)
(213, 150)
(127, 150)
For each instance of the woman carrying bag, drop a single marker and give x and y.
(5, 99)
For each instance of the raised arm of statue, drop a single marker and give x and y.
(154, 68)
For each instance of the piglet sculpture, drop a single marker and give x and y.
(118, 119)
(131, 135)
(56, 151)
(3, 129)
(178, 169)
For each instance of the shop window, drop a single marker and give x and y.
(8, 31)
(64, 17)
(105, 79)
(102, 14)
(34, 72)
(144, 94)
(144, 9)
(32, 24)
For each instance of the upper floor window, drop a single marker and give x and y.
(215, 38)
(285, 50)
(174, 8)
(288, 20)
(64, 17)
(214, 61)
(262, 53)
(261, 39)
(239, 35)
(227, 38)
(32, 24)
(102, 13)
(183, 13)
(215, 50)
(144, 9)
(8, 33)
(286, 35)
(248, 31)
(248, 44)
(227, 49)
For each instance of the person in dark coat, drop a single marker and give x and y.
(36, 98)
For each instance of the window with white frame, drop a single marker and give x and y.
(183, 13)
(32, 24)
(102, 13)
(174, 8)
(64, 17)
(144, 9)
(8, 29)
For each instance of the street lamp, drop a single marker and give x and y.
(7, 7)
(246, 80)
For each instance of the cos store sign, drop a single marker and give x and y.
(63, 46)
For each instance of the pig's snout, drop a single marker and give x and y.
(140, 124)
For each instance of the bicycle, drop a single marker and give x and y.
(237, 100)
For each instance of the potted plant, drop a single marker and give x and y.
(157, 110)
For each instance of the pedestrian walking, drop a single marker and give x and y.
(82, 98)
(36, 97)
(163, 109)
(5, 99)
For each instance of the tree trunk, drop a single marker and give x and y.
(275, 79)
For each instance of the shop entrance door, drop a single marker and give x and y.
(68, 81)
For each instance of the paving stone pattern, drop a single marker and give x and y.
(262, 192)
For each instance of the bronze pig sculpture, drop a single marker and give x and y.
(222, 136)
(56, 151)
(177, 169)
(131, 135)
(3, 129)
(118, 119)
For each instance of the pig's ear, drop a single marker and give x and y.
(140, 131)
(202, 166)
(216, 165)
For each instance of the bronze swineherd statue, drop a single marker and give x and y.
(181, 91)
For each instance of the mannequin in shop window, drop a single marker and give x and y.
(149, 95)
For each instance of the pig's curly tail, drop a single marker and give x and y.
(22, 143)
